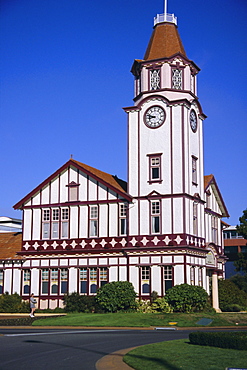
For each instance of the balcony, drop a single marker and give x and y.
(160, 18)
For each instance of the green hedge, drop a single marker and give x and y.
(12, 303)
(233, 340)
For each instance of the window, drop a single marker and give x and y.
(208, 199)
(64, 280)
(26, 281)
(154, 168)
(93, 279)
(94, 221)
(155, 217)
(54, 281)
(103, 276)
(44, 281)
(73, 191)
(65, 223)
(194, 170)
(56, 220)
(200, 276)
(195, 220)
(214, 229)
(154, 79)
(123, 219)
(1, 281)
(177, 79)
(83, 280)
(167, 278)
(138, 85)
(55, 224)
(192, 276)
(46, 224)
(145, 279)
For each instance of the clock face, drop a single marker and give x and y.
(193, 121)
(154, 117)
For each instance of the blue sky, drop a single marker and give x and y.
(65, 76)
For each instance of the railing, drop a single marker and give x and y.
(160, 18)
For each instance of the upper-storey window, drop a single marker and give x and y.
(214, 229)
(177, 79)
(46, 224)
(154, 79)
(194, 170)
(73, 191)
(155, 217)
(123, 218)
(154, 168)
(138, 85)
(195, 218)
(93, 221)
(55, 222)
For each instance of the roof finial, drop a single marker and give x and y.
(71, 156)
(170, 18)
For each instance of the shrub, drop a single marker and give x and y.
(13, 303)
(116, 296)
(187, 298)
(230, 294)
(158, 305)
(236, 340)
(75, 302)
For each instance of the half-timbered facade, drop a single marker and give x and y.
(83, 228)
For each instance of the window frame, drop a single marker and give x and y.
(174, 79)
(93, 221)
(152, 158)
(150, 83)
(123, 218)
(194, 170)
(155, 214)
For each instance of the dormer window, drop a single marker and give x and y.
(177, 79)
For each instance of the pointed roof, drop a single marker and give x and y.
(110, 181)
(209, 180)
(164, 42)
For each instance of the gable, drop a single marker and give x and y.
(211, 186)
(68, 176)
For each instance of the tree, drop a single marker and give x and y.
(241, 262)
(242, 228)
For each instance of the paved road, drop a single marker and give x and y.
(70, 348)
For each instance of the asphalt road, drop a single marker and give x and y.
(70, 348)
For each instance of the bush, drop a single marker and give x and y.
(116, 296)
(75, 302)
(240, 281)
(236, 340)
(232, 308)
(158, 305)
(187, 298)
(13, 303)
(230, 294)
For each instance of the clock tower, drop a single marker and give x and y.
(165, 143)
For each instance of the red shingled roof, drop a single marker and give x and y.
(10, 244)
(164, 42)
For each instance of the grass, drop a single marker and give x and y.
(143, 320)
(180, 354)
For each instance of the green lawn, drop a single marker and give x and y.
(179, 354)
(143, 320)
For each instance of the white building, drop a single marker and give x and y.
(83, 228)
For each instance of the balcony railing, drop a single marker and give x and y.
(160, 18)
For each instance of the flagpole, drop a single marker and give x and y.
(165, 9)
